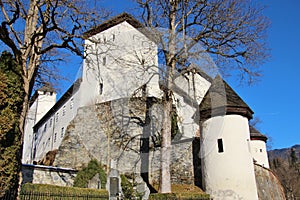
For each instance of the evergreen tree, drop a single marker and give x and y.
(294, 158)
(11, 99)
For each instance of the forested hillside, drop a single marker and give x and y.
(286, 164)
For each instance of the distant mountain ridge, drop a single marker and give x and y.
(284, 153)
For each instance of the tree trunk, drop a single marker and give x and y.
(22, 119)
(165, 176)
(166, 147)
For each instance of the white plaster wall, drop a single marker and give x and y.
(42, 104)
(130, 62)
(28, 136)
(259, 152)
(230, 174)
(51, 138)
(189, 93)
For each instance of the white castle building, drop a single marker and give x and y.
(122, 59)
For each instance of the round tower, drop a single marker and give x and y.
(258, 147)
(227, 164)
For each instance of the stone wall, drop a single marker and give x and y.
(268, 185)
(39, 174)
(126, 131)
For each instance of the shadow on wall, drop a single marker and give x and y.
(197, 163)
(27, 173)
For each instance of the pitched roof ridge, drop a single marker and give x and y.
(112, 22)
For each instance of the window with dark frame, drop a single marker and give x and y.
(71, 103)
(45, 127)
(64, 111)
(104, 60)
(220, 146)
(62, 132)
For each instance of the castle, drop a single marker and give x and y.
(122, 62)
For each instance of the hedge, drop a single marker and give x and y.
(181, 192)
(60, 191)
(179, 196)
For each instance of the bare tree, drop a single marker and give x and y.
(288, 175)
(231, 32)
(42, 30)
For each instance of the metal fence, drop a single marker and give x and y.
(52, 196)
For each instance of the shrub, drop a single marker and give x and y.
(127, 187)
(181, 192)
(88, 173)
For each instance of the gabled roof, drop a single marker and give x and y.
(256, 135)
(221, 99)
(113, 22)
(196, 69)
(46, 88)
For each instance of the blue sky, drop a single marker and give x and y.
(274, 99)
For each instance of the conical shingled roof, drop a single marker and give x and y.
(256, 135)
(221, 99)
